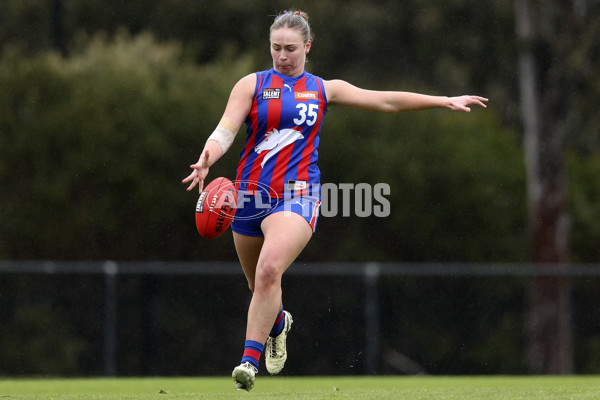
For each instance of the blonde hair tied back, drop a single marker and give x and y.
(293, 19)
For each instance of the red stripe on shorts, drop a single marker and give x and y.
(315, 214)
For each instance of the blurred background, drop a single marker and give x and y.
(105, 104)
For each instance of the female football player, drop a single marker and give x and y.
(278, 177)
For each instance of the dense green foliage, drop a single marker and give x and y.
(94, 147)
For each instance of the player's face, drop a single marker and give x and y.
(288, 51)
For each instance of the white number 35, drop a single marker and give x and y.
(310, 112)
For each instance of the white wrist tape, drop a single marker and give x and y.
(224, 134)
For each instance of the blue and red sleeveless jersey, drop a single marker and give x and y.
(283, 128)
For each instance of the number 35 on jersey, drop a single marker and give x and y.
(308, 113)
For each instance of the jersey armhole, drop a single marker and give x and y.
(257, 84)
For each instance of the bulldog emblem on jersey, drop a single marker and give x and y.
(276, 140)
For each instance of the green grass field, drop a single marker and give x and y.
(309, 388)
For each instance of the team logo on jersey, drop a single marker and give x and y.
(271, 93)
(276, 140)
(304, 96)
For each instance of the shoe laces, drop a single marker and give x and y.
(273, 347)
(250, 366)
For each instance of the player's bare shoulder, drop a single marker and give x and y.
(240, 99)
(246, 86)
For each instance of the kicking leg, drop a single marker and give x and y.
(248, 250)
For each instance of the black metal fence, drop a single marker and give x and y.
(154, 318)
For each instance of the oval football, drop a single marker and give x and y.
(215, 208)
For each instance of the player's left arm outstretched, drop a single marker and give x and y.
(343, 93)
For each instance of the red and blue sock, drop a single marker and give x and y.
(252, 352)
(279, 323)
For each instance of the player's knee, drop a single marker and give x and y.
(268, 276)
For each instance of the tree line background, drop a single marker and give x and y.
(105, 104)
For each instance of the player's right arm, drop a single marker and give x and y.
(240, 100)
(238, 107)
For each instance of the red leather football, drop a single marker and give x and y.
(215, 208)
